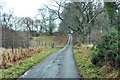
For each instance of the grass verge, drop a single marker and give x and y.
(20, 67)
(82, 57)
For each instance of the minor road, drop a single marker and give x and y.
(60, 64)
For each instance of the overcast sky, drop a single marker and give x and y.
(27, 8)
(24, 8)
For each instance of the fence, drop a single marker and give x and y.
(34, 44)
(12, 39)
(20, 46)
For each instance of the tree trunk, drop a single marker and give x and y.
(83, 38)
(119, 37)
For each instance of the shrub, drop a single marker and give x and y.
(107, 50)
(94, 58)
(117, 60)
(35, 34)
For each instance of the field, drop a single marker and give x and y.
(42, 41)
(45, 38)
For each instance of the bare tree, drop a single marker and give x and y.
(44, 23)
(28, 22)
(51, 27)
(78, 16)
(37, 24)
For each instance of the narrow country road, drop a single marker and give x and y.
(60, 64)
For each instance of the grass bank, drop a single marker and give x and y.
(18, 68)
(82, 57)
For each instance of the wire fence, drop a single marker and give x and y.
(20, 46)
(13, 53)
(42, 43)
(11, 40)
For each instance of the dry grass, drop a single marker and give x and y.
(8, 58)
(18, 68)
(85, 46)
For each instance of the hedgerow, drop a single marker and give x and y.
(107, 50)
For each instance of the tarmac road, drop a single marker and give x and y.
(60, 64)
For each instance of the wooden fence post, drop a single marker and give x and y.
(52, 45)
(45, 43)
(21, 51)
(39, 43)
(12, 46)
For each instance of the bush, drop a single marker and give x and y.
(94, 59)
(117, 60)
(35, 34)
(107, 50)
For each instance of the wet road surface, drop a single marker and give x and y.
(60, 64)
